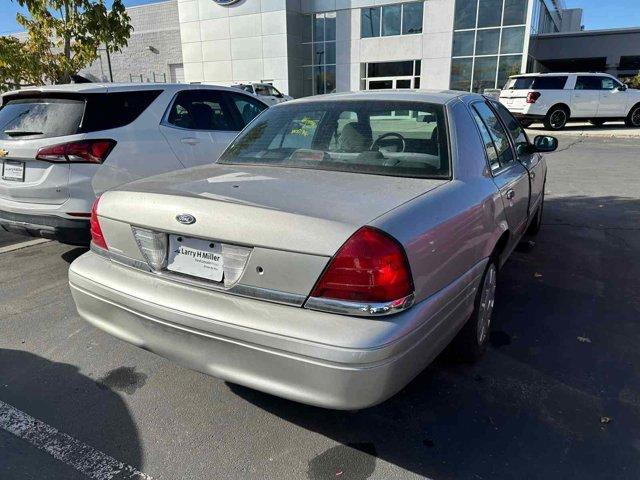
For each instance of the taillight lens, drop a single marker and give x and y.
(532, 97)
(97, 237)
(84, 151)
(370, 267)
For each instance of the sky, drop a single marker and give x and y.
(597, 13)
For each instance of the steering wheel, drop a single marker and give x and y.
(375, 145)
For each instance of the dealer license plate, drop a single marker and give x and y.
(196, 257)
(13, 171)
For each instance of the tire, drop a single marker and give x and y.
(633, 119)
(597, 123)
(536, 225)
(526, 123)
(556, 118)
(471, 342)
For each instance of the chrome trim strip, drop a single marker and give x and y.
(359, 309)
(240, 290)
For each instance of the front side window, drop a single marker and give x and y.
(201, 110)
(608, 83)
(383, 138)
(498, 134)
(520, 139)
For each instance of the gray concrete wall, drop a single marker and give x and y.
(154, 46)
(609, 44)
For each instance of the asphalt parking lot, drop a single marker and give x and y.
(557, 395)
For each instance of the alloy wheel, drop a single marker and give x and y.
(558, 119)
(487, 300)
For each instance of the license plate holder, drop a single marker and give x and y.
(196, 257)
(13, 171)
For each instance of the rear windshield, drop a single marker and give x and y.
(536, 83)
(40, 117)
(63, 114)
(383, 138)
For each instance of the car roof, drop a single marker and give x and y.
(440, 97)
(112, 87)
(556, 74)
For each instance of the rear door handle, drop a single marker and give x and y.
(510, 194)
(532, 175)
(190, 141)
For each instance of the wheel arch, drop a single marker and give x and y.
(563, 106)
(634, 106)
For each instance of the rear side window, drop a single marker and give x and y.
(114, 110)
(41, 117)
(537, 83)
(248, 108)
(201, 110)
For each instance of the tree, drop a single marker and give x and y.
(634, 82)
(63, 36)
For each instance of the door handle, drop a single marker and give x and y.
(190, 141)
(532, 175)
(510, 194)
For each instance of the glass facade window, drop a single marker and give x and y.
(489, 13)
(488, 43)
(512, 40)
(463, 43)
(319, 50)
(370, 22)
(391, 20)
(391, 75)
(412, 18)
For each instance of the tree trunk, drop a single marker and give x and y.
(66, 75)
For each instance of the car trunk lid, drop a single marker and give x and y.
(290, 209)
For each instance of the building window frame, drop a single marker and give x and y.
(379, 9)
(320, 70)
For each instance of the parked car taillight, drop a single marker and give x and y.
(97, 238)
(532, 97)
(83, 151)
(370, 267)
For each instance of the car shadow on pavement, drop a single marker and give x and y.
(70, 255)
(76, 405)
(556, 396)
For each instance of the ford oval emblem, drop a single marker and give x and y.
(226, 2)
(186, 219)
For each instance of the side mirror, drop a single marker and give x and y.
(623, 87)
(544, 144)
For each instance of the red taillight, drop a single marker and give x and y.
(84, 151)
(96, 232)
(532, 97)
(370, 267)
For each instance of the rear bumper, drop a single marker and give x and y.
(528, 116)
(333, 361)
(73, 232)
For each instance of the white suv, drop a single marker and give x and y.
(557, 98)
(60, 146)
(265, 91)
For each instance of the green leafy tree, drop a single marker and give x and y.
(63, 36)
(634, 82)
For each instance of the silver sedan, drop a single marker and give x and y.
(335, 249)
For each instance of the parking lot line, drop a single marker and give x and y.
(80, 456)
(18, 246)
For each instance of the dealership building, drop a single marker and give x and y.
(309, 47)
